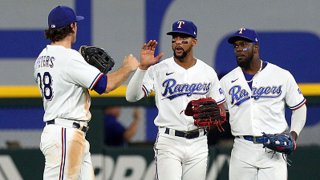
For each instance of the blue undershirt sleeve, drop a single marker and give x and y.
(101, 85)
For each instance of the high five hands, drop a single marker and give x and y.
(147, 57)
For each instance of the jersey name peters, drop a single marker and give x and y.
(240, 95)
(44, 61)
(173, 90)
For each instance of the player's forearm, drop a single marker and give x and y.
(298, 119)
(131, 130)
(115, 79)
(134, 89)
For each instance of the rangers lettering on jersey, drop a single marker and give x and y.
(266, 92)
(173, 90)
(240, 95)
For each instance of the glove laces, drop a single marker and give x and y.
(284, 156)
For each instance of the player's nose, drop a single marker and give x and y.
(179, 41)
(238, 49)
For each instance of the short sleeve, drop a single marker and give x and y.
(82, 73)
(294, 97)
(216, 91)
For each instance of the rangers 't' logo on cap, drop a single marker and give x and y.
(180, 23)
(244, 34)
(184, 27)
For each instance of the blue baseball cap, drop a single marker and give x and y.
(184, 27)
(62, 16)
(244, 34)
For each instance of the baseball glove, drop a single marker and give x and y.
(206, 113)
(282, 143)
(97, 57)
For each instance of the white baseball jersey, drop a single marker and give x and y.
(262, 108)
(64, 78)
(175, 86)
(177, 157)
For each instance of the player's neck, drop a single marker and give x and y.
(254, 67)
(66, 42)
(186, 62)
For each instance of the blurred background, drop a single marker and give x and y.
(289, 37)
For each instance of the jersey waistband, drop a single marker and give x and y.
(186, 134)
(254, 139)
(68, 123)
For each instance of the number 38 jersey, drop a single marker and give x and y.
(63, 78)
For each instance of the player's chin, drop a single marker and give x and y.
(240, 57)
(179, 55)
(241, 61)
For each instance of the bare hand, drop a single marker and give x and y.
(147, 55)
(130, 62)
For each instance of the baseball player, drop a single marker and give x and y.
(256, 94)
(64, 78)
(181, 149)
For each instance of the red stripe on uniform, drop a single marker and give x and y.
(156, 157)
(221, 102)
(63, 153)
(299, 105)
(145, 91)
(98, 77)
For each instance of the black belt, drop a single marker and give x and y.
(74, 125)
(185, 134)
(255, 139)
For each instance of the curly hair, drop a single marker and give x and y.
(58, 34)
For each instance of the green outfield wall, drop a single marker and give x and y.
(137, 163)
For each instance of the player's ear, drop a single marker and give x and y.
(73, 26)
(194, 41)
(256, 47)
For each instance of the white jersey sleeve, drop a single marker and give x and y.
(134, 89)
(140, 85)
(148, 81)
(78, 71)
(294, 97)
(216, 91)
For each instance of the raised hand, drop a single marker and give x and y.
(147, 57)
(130, 62)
